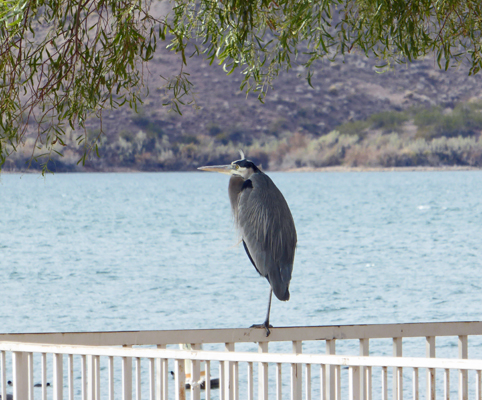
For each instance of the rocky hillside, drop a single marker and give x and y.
(292, 128)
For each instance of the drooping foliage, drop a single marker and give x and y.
(64, 61)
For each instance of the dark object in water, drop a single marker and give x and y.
(214, 383)
(9, 383)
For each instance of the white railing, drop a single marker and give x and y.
(105, 365)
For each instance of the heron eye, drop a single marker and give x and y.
(237, 166)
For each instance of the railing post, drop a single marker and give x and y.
(180, 380)
(365, 372)
(397, 371)
(196, 375)
(296, 374)
(20, 375)
(126, 377)
(263, 373)
(463, 376)
(322, 382)
(430, 353)
(229, 373)
(330, 371)
(161, 376)
(58, 382)
(354, 383)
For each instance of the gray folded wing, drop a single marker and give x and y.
(267, 229)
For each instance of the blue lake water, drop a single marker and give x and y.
(83, 252)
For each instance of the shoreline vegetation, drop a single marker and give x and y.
(413, 139)
(338, 169)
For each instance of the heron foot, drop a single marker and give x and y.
(266, 325)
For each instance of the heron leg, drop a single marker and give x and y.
(266, 324)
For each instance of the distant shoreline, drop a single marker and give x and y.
(302, 169)
(383, 169)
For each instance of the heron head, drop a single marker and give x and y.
(243, 168)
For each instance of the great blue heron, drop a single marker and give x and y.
(265, 224)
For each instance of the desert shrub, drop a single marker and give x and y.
(388, 120)
(465, 120)
(354, 128)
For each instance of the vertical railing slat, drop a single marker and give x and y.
(90, 378)
(308, 382)
(138, 378)
(229, 387)
(97, 377)
(236, 380)
(222, 381)
(250, 381)
(430, 353)
(43, 367)
(30, 376)
(162, 376)
(322, 382)
(207, 390)
(20, 375)
(368, 380)
(83, 369)
(463, 376)
(263, 373)
(397, 371)
(296, 374)
(447, 385)
(152, 379)
(70, 375)
(158, 378)
(330, 371)
(126, 378)
(180, 386)
(58, 383)
(354, 383)
(415, 385)
(278, 381)
(195, 375)
(384, 383)
(3, 379)
(337, 382)
(365, 372)
(111, 378)
(478, 389)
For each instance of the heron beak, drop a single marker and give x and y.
(224, 169)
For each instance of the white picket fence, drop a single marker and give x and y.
(128, 365)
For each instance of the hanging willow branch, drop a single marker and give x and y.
(64, 61)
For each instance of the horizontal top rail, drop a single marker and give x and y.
(374, 331)
(342, 360)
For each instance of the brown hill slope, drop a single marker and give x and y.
(292, 120)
